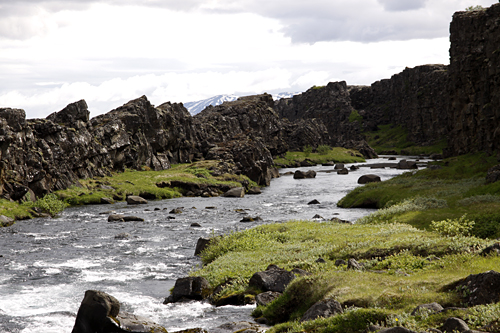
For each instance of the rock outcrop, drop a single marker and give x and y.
(100, 313)
(331, 105)
(416, 99)
(474, 88)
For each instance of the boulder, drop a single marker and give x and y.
(136, 200)
(237, 192)
(201, 245)
(251, 219)
(100, 313)
(133, 219)
(325, 308)
(301, 174)
(453, 324)
(177, 210)
(6, 221)
(339, 166)
(313, 202)
(481, 288)
(272, 279)
(122, 236)
(254, 190)
(307, 163)
(266, 297)
(493, 174)
(339, 262)
(365, 179)
(492, 249)
(404, 164)
(116, 218)
(343, 171)
(430, 307)
(189, 288)
(107, 201)
(353, 264)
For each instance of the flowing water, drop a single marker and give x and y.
(48, 264)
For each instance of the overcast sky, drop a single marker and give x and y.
(55, 52)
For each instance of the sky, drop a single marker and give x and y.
(108, 52)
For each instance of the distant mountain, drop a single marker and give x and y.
(198, 106)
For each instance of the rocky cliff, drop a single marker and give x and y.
(330, 105)
(416, 98)
(474, 87)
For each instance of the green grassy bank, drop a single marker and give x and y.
(404, 267)
(323, 155)
(456, 187)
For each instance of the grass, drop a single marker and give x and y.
(336, 154)
(459, 186)
(401, 271)
(130, 182)
(390, 137)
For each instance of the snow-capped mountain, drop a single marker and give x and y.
(198, 106)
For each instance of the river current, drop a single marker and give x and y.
(48, 264)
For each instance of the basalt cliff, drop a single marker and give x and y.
(459, 102)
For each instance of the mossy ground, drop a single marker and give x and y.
(390, 137)
(336, 154)
(404, 267)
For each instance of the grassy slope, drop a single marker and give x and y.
(398, 250)
(460, 183)
(391, 137)
(336, 154)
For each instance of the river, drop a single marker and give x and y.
(48, 264)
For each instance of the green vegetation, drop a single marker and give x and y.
(307, 150)
(475, 8)
(403, 268)
(336, 154)
(418, 198)
(355, 116)
(119, 185)
(390, 137)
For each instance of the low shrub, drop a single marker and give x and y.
(453, 227)
(323, 149)
(49, 204)
(307, 150)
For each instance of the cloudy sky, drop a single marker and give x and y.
(55, 52)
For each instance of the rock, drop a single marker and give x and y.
(354, 167)
(339, 166)
(481, 288)
(404, 164)
(201, 245)
(307, 163)
(100, 312)
(107, 201)
(195, 225)
(343, 171)
(325, 308)
(331, 163)
(320, 260)
(365, 179)
(392, 158)
(492, 249)
(189, 288)
(300, 272)
(254, 190)
(116, 218)
(6, 221)
(313, 202)
(251, 219)
(133, 219)
(266, 297)
(493, 174)
(339, 262)
(177, 210)
(353, 264)
(301, 174)
(241, 327)
(136, 200)
(272, 279)
(454, 325)
(237, 192)
(317, 216)
(123, 235)
(436, 156)
(429, 308)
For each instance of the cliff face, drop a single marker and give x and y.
(416, 98)
(474, 89)
(330, 105)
